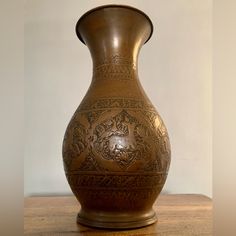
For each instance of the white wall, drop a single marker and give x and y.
(174, 68)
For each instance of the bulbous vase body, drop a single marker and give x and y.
(116, 148)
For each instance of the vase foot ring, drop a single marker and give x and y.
(116, 220)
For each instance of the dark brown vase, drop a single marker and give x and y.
(116, 148)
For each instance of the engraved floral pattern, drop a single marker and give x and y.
(113, 139)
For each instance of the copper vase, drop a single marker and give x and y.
(116, 148)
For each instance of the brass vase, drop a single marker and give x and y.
(116, 149)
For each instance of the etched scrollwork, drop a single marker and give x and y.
(114, 139)
(121, 138)
(76, 136)
(110, 103)
(116, 67)
(92, 116)
(117, 59)
(112, 180)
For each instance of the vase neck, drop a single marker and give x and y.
(114, 36)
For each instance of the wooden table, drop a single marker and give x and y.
(181, 214)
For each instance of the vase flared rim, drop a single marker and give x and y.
(111, 6)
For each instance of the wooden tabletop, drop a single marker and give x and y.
(181, 214)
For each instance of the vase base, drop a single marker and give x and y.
(116, 220)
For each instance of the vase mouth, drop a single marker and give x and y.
(111, 6)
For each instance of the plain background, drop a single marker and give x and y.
(174, 69)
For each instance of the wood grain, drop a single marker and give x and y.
(181, 214)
